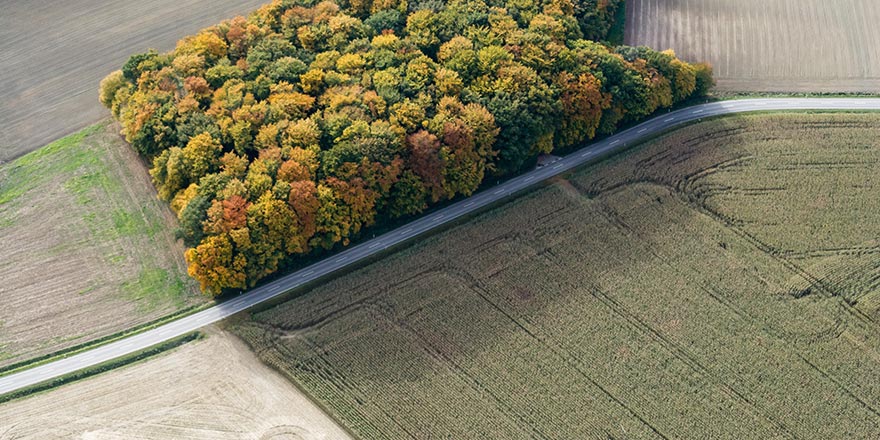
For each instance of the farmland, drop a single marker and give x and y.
(52, 55)
(720, 282)
(84, 255)
(313, 166)
(779, 45)
(220, 391)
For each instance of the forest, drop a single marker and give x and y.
(291, 130)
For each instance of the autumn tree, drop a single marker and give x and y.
(703, 78)
(293, 129)
(273, 235)
(595, 17)
(216, 266)
(582, 103)
(109, 86)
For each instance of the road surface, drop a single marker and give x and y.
(424, 224)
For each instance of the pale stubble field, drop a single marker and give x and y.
(210, 389)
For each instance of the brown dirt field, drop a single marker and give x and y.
(720, 282)
(210, 389)
(87, 248)
(54, 53)
(768, 45)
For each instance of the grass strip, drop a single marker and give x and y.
(94, 343)
(102, 367)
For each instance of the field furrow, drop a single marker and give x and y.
(53, 54)
(720, 282)
(775, 45)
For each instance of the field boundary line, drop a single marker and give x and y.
(95, 343)
(290, 378)
(103, 367)
(461, 209)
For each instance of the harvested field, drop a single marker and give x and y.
(88, 249)
(720, 282)
(53, 54)
(768, 46)
(210, 389)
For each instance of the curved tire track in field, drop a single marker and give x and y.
(422, 225)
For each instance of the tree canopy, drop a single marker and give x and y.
(297, 127)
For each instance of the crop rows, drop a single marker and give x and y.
(760, 45)
(631, 301)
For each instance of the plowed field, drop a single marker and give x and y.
(54, 53)
(86, 247)
(768, 45)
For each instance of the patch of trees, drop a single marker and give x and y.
(297, 127)
(595, 17)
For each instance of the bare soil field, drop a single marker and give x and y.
(53, 54)
(87, 248)
(209, 389)
(720, 282)
(768, 45)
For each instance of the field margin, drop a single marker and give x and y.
(409, 241)
(103, 367)
(95, 343)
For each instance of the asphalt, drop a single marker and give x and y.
(354, 254)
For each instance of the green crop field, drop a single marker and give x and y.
(722, 281)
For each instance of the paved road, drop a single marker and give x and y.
(426, 223)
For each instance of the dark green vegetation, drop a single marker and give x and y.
(87, 249)
(720, 282)
(617, 33)
(292, 130)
